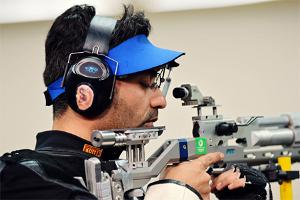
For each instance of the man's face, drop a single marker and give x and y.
(136, 102)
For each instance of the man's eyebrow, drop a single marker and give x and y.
(147, 74)
(153, 72)
(141, 75)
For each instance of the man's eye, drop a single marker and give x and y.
(144, 84)
(147, 85)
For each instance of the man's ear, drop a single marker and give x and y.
(84, 97)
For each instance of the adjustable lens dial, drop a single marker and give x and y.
(92, 68)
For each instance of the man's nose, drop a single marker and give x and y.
(158, 100)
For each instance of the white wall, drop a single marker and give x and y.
(22, 103)
(246, 57)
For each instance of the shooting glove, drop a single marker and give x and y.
(257, 187)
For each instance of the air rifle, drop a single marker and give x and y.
(255, 141)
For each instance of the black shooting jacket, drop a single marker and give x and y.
(48, 171)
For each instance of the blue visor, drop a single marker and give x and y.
(138, 54)
(133, 55)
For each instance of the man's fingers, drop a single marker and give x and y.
(230, 179)
(225, 179)
(237, 183)
(209, 159)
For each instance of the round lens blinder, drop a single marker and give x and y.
(92, 68)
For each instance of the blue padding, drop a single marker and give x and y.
(55, 89)
(138, 54)
(183, 149)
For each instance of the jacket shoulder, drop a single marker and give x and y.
(24, 176)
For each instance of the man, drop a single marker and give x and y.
(111, 75)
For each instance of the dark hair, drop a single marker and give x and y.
(68, 33)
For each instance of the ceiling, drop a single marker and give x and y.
(13, 11)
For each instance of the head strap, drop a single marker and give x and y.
(99, 35)
(53, 91)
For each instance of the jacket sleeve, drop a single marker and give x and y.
(167, 189)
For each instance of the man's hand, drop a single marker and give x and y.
(230, 179)
(194, 173)
(257, 186)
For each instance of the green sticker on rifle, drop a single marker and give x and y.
(201, 146)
